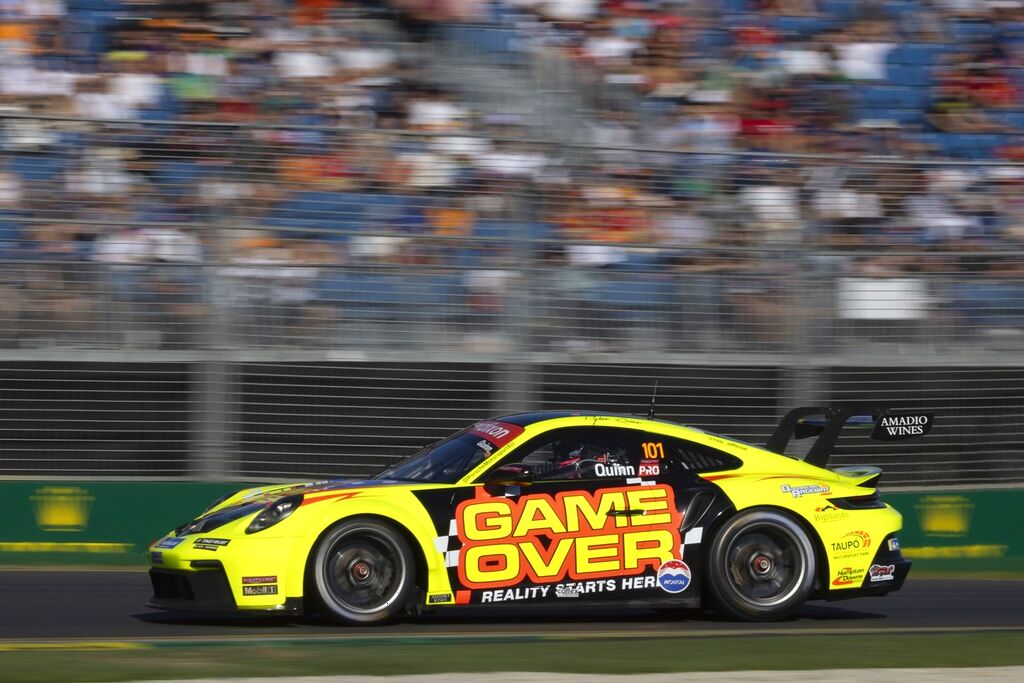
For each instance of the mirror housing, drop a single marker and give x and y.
(508, 475)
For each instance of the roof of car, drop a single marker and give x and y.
(524, 419)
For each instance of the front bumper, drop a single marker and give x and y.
(227, 573)
(207, 590)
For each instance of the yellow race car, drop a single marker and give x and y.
(557, 506)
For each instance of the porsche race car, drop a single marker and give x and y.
(552, 507)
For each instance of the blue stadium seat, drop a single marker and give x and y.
(919, 53)
(897, 97)
(1013, 119)
(919, 75)
(364, 295)
(989, 303)
(434, 295)
(804, 26)
(179, 176)
(36, 166)
(966, 31)
(840, 9)
(904, 117)
(900, 8)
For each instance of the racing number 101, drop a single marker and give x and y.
(653, 449)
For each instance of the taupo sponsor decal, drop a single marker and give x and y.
(806, 490)
(255, 580)
(270, 589)
(852, 544)
(542, 539)
(882, 572)
(899, 427)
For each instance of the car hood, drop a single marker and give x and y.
(272, 492)
(249, 501)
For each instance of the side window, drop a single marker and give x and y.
(694, 457)
(581, 453)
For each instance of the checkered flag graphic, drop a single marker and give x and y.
(449, 545)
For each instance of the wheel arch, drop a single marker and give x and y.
(419, 555)
(821, 564)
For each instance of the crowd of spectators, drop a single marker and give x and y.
(301, 152)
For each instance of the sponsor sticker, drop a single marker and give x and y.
(170, 542)
(210, 543)
(852, 544)
(255, 580)
(543, 539)
(882, 572)
(674, 576)
(567, 590)
(498, 433)
(894, 544)
(829, 513)
(156, 557)
(260, 590)
(900, 427)
(616, 470)
(650, 469)
(806, 490)
(848, 576)
(439, 597)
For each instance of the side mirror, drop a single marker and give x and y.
(508, 475)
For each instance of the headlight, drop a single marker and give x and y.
(275, 513)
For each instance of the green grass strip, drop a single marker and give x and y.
(593, 655)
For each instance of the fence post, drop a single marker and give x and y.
(215, 398)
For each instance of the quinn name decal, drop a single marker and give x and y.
(542, 539)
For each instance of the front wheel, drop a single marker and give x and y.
(364, 572)
(761, 566)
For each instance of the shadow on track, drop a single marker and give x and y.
(523, 617)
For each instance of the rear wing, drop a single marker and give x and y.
(827, 422)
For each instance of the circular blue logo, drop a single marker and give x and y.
(674, 576)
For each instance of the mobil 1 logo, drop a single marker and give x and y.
(900, 426)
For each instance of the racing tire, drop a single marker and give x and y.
(761, 567)
(364, 572)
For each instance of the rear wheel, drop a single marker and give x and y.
(761, 566)
(364, 572)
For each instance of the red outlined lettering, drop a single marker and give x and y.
(543, 539)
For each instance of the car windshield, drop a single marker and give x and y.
(447, 461)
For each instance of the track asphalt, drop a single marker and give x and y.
(100, 605)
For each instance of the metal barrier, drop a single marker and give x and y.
(217, 300)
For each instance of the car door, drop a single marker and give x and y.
(572, 520)
(678, 463)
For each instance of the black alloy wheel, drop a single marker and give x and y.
(364, 572)
(761, 566)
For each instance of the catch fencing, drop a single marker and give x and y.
(220, 301)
